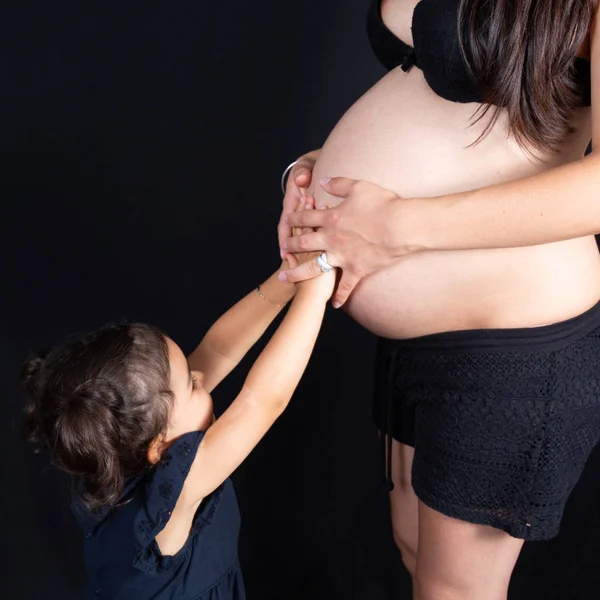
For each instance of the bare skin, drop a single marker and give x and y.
(267, 390)
(405, 139)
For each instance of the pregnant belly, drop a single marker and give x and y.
(404, 138)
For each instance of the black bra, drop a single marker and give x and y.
(436, 51)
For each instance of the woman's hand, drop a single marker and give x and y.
(298, 181)
(360, 235)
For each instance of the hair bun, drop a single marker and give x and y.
(31, 379)
(31, 374)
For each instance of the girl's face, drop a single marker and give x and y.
(192, 405)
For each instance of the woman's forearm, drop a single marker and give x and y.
(559, 204)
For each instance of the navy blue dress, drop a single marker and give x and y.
(122, 558)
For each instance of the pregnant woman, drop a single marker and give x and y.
(462, 215)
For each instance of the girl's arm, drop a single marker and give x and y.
(234, 333)
(266, 392)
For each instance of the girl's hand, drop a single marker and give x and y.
(325, 282)
(298, 181)
(358, 235)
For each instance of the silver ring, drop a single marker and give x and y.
(323, 264)
(287, 170)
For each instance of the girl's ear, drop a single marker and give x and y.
(155, 450)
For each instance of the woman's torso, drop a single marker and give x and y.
(403, 137)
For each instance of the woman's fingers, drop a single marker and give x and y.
(310, 204)
(308, 218)
(284, 230)
(291, 260)
(338, 186)
(306, 203)
(302, 177)
(302, 173)
(307, 242)
(301, 206)
(291, 202)
(345, 288)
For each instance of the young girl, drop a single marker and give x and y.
(123, 410)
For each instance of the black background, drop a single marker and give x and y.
(141, 149)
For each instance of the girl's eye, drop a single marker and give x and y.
(194, 383)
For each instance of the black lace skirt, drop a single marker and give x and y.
(502, 420)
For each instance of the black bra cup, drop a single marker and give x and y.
(437, 53)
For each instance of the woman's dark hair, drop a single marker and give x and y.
(97, 402)
(522, 54)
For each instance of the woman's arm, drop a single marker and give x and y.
(266, 392)
(560, 204)
(373, 227)
(230, 338)
(556, 205)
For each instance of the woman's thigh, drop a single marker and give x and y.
(404, 505)
(457, 560)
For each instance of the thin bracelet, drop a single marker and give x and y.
(267, 300)
(287, 170)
